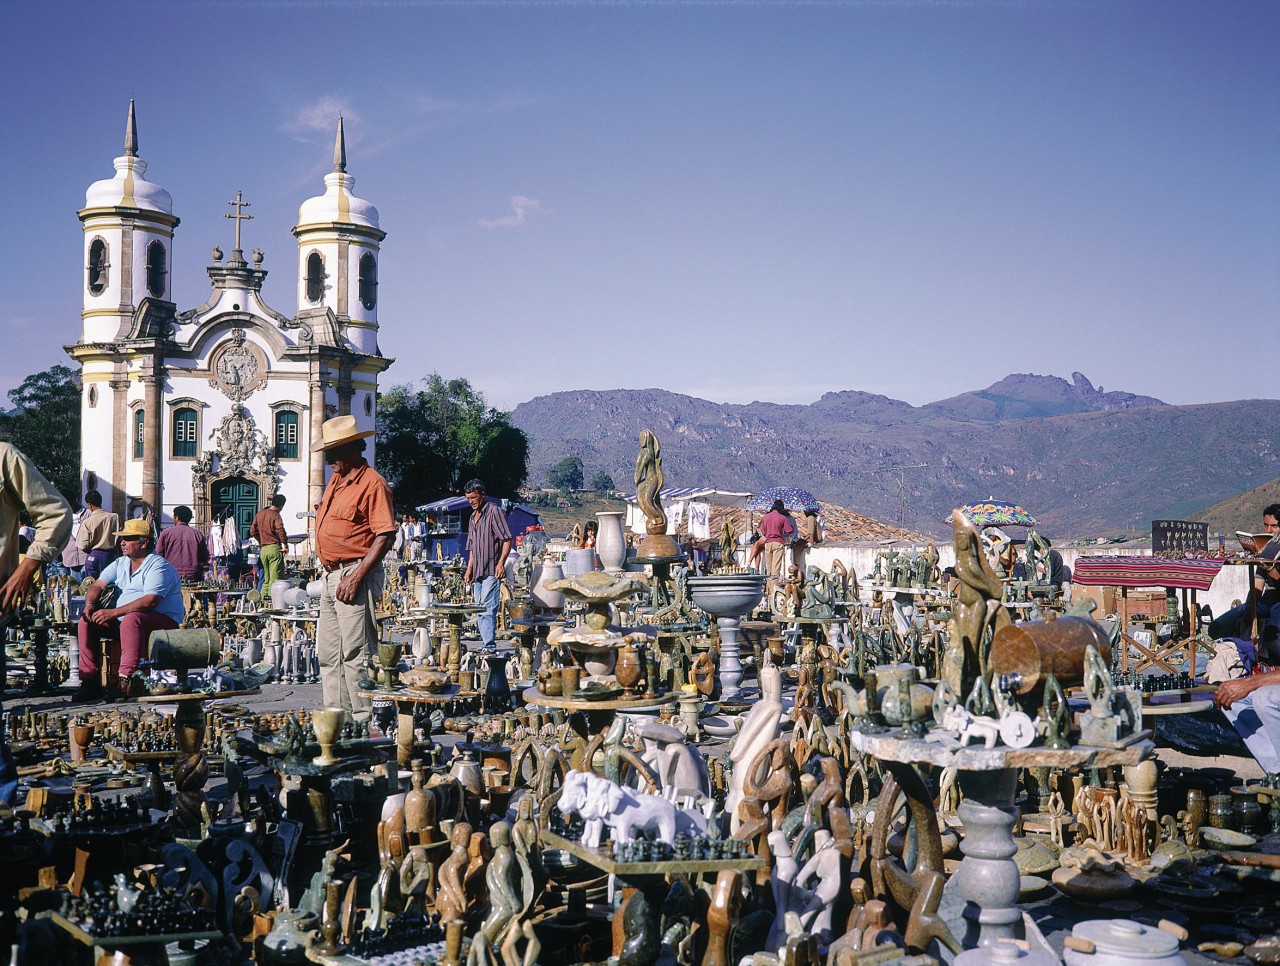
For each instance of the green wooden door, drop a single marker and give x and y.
(239, 496)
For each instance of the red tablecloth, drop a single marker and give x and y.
(1144, 572)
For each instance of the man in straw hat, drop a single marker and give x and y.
(355, 527)
(149, 599)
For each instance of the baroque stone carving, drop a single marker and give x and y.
(239, 367)
(240, 448)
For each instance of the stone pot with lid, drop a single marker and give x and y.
(1121, 942)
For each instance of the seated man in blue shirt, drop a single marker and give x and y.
(149, 599)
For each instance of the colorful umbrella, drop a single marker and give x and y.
(996, 513)
(792, 497)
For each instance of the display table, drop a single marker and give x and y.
(456, 615)
(1187, 576)
(406, 702)
(988, 879)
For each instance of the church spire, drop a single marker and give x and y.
(340, 149)
(131, 134)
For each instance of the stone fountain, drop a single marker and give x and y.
(595, 642)
(727, 597)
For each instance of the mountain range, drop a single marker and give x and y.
(1085, 461)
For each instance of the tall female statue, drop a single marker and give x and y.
(964, 660)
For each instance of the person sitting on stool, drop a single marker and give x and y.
(149, 599)
(1265, 593)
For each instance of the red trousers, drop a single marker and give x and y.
(129, 634)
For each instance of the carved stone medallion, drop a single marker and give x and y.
(239, 367)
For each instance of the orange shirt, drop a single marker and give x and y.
(355, 509)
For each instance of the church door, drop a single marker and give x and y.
(236, 496)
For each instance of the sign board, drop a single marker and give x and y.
(1178, 536)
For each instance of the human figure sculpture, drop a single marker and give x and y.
(510, 883)
(931, 559)
(963, 661)
(415, 878)
(524, 834)
(760, 726)
(532, 948)
(648, 481)
(451, 892)
(818, 602)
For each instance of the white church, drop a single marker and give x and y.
(219, 407)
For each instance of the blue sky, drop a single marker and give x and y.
(733, 200)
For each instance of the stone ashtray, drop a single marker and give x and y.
(1225, 839)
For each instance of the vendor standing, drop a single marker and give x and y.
(97, 535)
(355, 527)
(488, 544)
(268, 529)
(777, 529)
(183, 547)
(24, 486)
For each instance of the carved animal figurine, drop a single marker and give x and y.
(626, 812)
(969, 728)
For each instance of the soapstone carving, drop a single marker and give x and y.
(602, 803)
(760, 726)
(964, 659)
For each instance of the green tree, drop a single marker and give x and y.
(601, 483)
(434, 437)
(566, 475)
(45, 425)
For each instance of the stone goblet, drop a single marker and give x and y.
(727, 597)
(327, 723)
(388, 661)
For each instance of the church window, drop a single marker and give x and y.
(286, 435)
(93, 396)
(315, 277)
(184, 433)
(157, 269)
(97, 266)
(139, 421)
(368, 281)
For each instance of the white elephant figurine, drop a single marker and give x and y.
(579, 794)
(625, 811)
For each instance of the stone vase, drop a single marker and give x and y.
(627, 670)
(418, 808)
(542, 597)
(579, 561)
(611, 542)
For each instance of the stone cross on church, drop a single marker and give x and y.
(239, 216)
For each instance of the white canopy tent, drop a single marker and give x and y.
(678, 500)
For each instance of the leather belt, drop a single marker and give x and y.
(339, 565)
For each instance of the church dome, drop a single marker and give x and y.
(338, 204)
(129, 189)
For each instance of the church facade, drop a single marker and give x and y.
(220, 406)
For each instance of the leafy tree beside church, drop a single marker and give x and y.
(45, 425)
(434, 437)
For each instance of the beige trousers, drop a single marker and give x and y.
(346, 637)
